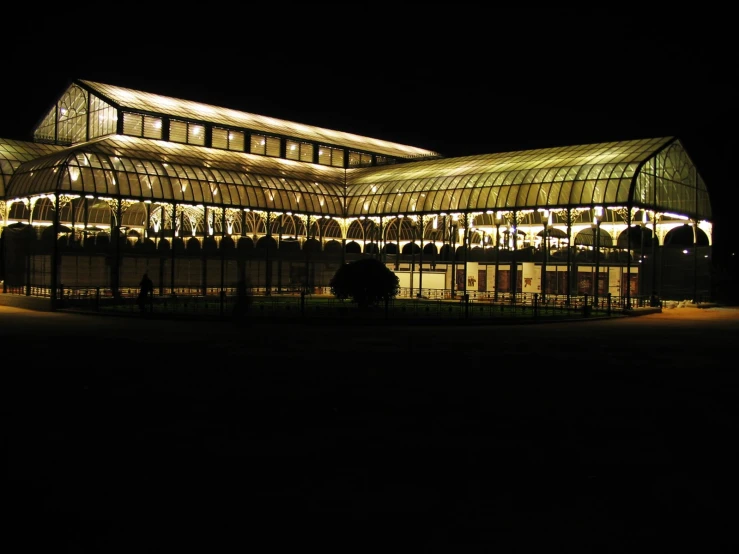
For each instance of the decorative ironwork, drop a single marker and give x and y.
(159, 217)
(111, 202)
(215, 214)
(64, 199)
(303, 218)
(624, 214)
(344, 224)
(256, 217)
(194, 215)
(231, 214)
(515, 218)
(570, 216)
(659, 230)
(471, 217)
(126, 203)
(30, 203)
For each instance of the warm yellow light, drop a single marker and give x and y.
(675, 216)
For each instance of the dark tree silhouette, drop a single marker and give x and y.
(366, 281)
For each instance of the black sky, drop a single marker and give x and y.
(463, 80)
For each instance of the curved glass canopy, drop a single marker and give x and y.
(650, 173)
(144, 169)
(14, 153)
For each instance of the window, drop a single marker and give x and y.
(133, 124)
(227, 139)
(266, 146)
(189, 133)
(72, 110)
(196, 134)
(152, 127)
(137, 125)
(331, 156)
(301, 151)
(358, 159)
(103, 118)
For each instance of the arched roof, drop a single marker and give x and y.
(650, 173)
(14, 153)
(145, 169)
(187, 109)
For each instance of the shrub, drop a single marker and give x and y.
(366, 281)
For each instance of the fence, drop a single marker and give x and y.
(265, 305)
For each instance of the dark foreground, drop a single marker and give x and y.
(126, 435)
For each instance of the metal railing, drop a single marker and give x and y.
(266, 305)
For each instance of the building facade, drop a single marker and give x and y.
(118, 182)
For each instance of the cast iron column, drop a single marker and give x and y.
(420, 258)
(497, 253)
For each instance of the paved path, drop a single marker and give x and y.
(149, 436)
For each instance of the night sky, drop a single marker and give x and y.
(457, 82)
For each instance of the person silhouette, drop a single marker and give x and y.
(146, 291)
(242, 299)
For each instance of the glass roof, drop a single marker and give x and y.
(652, 174)
(571, 176)
(186, 109)
(13, 153)
(145, 169)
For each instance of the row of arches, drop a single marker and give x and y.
(633, 238)
(200, 221)
(100, 242)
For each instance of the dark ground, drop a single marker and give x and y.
(128, 435)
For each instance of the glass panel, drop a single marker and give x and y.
(552, 193)
(103, 118)
(355, 158)
(219, 138)
(73, 116)
(133, 124)
(129, 184)
(178, 131)
(292, 150)
(258, 144)
(236, 140)
(153, 127)
(47, 129)
(324, 155)
(337, 157)
(306, 152)
(196, 134)
(577, 194)
(273, 147)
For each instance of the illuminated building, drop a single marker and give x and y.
(117, 182)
